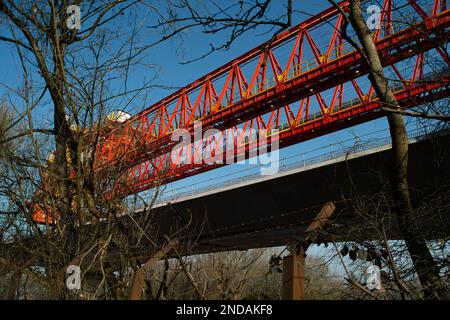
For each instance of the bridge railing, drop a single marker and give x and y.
(296, 161)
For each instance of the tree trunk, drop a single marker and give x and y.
(14, 285)
(424, 265)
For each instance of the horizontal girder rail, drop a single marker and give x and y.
(258, 89)
(152, 173)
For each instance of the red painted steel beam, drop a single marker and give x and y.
(423, 92)
(394, 48)
(225, 69)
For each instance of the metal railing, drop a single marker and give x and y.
(303, 162)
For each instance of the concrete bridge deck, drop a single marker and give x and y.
(264, 211)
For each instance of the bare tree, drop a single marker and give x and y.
(415, 241)
(74, 72)
(74, 76)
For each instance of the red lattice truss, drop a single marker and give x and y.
(261, 90)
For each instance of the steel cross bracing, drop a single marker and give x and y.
(144, 175)
(283, 85)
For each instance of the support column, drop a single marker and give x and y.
(139, 276)
(294, 276)
(294, 264)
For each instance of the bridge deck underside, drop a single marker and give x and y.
(277, 211)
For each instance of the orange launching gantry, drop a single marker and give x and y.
(41, 203)
(304, 83)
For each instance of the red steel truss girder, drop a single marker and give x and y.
(367, 110)
(394, 48)
(223, 70)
